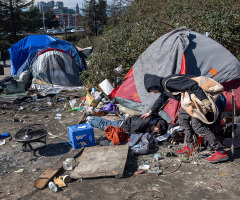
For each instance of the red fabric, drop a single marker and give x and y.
(128, 74)
(116, 135)
(128, 89)
(228, 86)
(183, 65)
(113, 93)
(54, 49)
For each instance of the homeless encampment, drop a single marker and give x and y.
(55, 62)
(181, 51)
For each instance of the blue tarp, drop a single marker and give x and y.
(58, 44)
(20, 51)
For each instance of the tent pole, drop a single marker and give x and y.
(233, 122)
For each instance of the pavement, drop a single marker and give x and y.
(7, 70)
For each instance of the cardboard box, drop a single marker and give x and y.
(81, 135)
(91, 101)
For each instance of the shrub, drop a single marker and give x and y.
(147, 20)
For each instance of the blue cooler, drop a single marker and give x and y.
(81, 135)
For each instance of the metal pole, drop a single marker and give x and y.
(233, 122)
(68, 17)
(43, 19)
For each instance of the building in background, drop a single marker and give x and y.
(65, 15)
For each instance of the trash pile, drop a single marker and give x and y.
(57, 89)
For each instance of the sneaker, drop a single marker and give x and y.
(218, 157)
(185, 150)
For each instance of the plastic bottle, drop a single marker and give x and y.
(69, 164)
(74, 109)
(52, 186)
(49, 102)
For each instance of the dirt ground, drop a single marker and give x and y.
(182, 180)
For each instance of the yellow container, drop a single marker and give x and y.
(91, 101)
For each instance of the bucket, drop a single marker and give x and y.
(106, 87)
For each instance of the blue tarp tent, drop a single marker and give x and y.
(20, 51)
(57, 63)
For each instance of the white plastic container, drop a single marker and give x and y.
(52, 186)
(106, 87)
(69, 164)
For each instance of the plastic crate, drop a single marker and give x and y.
(81, 135)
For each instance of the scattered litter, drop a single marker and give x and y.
(139, 172)
(144, 167)
(52, 135)
(2, 142)
(58, 115)
(9, 192)
(170, 154)
(4, 135)
(218, 185)
(66, 178)
(21, 108)
(157, 157)
(106, 87)
(34, 96)
(69, 164)
(154, 170)
(16, 119)
(19, 171)
(186, 157)
(59, 182)
(52, 186)
(73, 103)
(75, 109)
(79, 180)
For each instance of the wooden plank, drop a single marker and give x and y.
(46, 176)
(101, 162)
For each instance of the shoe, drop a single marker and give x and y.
(218, 157)
(185, 150)
(83, 118)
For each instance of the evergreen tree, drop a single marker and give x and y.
(95, 14)
(12, 16)
(32, 19)
(50, 19)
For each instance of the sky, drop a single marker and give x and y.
(66, 3)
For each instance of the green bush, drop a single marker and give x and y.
(147, 20)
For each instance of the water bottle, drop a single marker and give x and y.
(52, 186)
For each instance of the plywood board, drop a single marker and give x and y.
(101, 161)
(44, 178)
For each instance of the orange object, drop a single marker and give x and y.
(116, 135)
(213, 72)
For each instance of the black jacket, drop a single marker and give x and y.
(136, 124)
(182, 83)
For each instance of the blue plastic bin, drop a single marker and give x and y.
(81, 135)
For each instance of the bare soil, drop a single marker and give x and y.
(182, 180)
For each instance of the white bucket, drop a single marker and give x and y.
(106, 87)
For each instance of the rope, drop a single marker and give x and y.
(163, 173)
